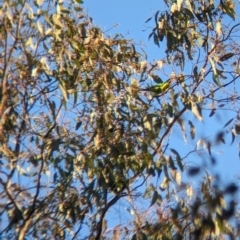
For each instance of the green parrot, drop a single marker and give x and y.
(159, 88)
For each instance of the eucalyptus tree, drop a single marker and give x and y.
(87, 124)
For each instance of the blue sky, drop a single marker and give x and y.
(130, 16)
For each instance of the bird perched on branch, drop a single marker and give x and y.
(159, 88)
(163, 87)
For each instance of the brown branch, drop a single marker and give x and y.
(104, 211)
(4, 85)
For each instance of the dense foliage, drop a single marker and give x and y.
(88, 126)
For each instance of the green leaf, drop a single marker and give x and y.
(226, 57)
(166, 172)
(234, 134)
(209, 148)
(188, 13)
(75, 98)
(151, 172)
(156, 79)
(181, 123)
(199, 17)
(65, 11)
(55, 177)
(156, 17)
(212, 112)
(78, 125)
(154, 198)
(237, 129)
(134, 237)
(64, 92)
(196, 110)
(219, 137)
(178, 158)
(40, 2)
(149, 19)
(193, 171)
(218, 28)
(228, 122)
(188, 47)
(231, 189)
(213, 65)
(195, 72)
(151, 34)
(171, 163)
(176, 176)
(52, 106)
(155, 39)
(170, 41)
(78, 1)
(216, 79)
(228, 8)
